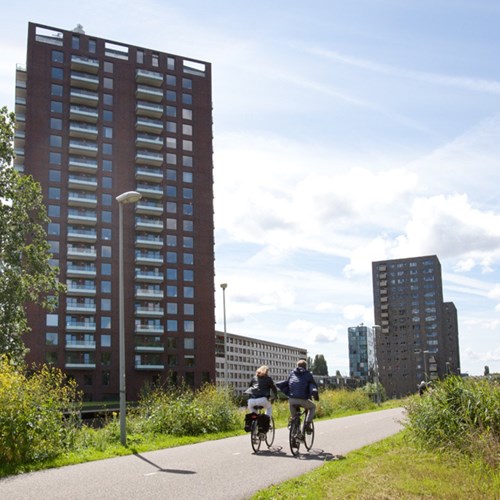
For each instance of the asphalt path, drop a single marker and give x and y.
(223, 469)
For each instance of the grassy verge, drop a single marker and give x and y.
(391, 469)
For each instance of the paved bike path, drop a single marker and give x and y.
(223, 469)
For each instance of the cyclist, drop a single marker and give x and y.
(301, 388)
(260, 389)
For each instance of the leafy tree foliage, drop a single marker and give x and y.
(319, 365)
(25, 271)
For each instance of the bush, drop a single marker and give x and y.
(182, 411)
(458, 414)
(37, 413)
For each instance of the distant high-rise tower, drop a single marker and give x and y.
(362, 363)
(418, 335)
(96, 119)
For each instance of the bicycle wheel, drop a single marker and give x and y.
(309, 438)
(294, 437)
(270, 434)
(254, 437)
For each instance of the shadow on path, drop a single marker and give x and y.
(160, 469)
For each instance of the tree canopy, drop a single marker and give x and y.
(319, 365)
(26, 274)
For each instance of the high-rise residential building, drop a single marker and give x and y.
(362, 362)
(96, 119)
(418, 335)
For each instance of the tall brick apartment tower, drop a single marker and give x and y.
(418, 335)
(98, 118)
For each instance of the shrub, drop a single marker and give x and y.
(37, 413)
(181, 411)
(458, 414)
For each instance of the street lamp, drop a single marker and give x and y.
(123, 199)
(224, 286)
(375, 329)
(425, 365)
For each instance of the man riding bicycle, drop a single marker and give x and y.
(301, 388)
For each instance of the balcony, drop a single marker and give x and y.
(80, 366)
(148, 157)
(148, 293)
(81, 234)
(148, 93)
(147, 224)
(85, 97)
(83, 113)
(88, 253)
(150, 190)
(80, 199)
(81, 308)
(85, 80)
(82, 130)
(79, 164)
(81, 63)
(148, 174)
(149, 311)
(73, 270)
(139, 366)
(148, 125)
(149, 276)
(154, 258)
(148, 329)
(144, 108)
(149, 240)
(80, 326)
(79, 147)
(149, 77)
(149, 141)
(82, 216)
(145, 206)
(81, 345)
(88, 182)
(148, 348)
(75, 288)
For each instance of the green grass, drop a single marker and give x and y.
(391, 469)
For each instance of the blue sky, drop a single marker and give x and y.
(344, 132)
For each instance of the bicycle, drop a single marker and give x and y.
(256, 436)
(299, 433)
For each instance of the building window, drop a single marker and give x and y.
(188, 343)
(55, 141)
(54, 211)
(106, 376)
(57, 56)
(188, 259)
(108, 68)
(108, 83)
(51, 358)
(105, 340)
(171, 291)
(187, 114)
(92, 46)
(172, 257)
(54, 193)
(106, 286)
(187, 161)
(189, 326)
(171, 80)
(188, 292)
(188, 275)
(171, 308)
(56, 90)
(189, 309)
(171, 274)
(106, 322)
(171, 111)
(187, 83)
(51, 339)
(56, 107)
(75, 42)
(187, 225)
(171, 325)
(140, 56)
(187, 99)
(54, 175)
(51, 320)
(171, 207)
(171, 158)
(56, 124)
(57, 73)
(105, 304)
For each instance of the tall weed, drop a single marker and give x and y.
(459, 414)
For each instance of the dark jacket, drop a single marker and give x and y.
(261, 387)
(301, 384)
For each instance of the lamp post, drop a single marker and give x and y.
(425, 365)
(224, 286)
(123, 199)
(377, 381)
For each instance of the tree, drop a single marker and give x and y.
(320, 365)
(25, 271)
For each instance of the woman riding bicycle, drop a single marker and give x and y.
(260, 389)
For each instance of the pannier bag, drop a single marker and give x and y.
(249, 418)
(263, 422)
